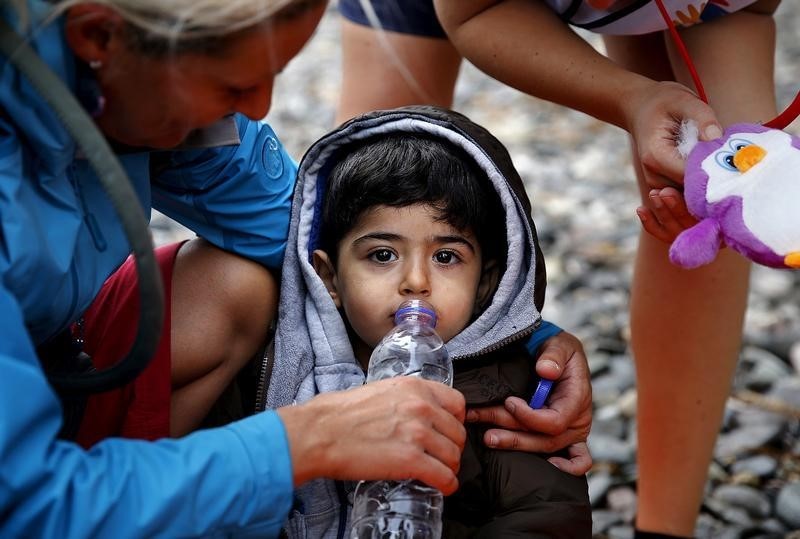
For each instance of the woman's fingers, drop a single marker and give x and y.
(567, 416)
(579, 460)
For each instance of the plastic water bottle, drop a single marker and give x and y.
(404, 509)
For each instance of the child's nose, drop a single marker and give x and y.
(416, 280)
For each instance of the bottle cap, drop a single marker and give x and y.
(541, 393)
(415, 307)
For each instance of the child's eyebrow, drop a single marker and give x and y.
(390, 236)
(454, 239)
(383, 236)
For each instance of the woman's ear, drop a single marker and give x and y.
(490, 275)
(90, 30)
(327, 272)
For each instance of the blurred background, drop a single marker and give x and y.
(578, 173)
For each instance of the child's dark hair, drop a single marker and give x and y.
(402, 169)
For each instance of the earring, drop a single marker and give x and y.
(88, 90)
(100, 106)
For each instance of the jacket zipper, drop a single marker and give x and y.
(97, 238)
(508, 340)
(88, 217)
(73, 302)
(343, 506)
(264, 374)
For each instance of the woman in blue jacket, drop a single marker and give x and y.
(156, 75)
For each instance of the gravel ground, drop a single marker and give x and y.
(579, 176)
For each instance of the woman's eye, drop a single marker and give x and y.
(382, 255)
(445, 257)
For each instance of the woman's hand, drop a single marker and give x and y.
(654, 114)
(397, 428)
(565, 420)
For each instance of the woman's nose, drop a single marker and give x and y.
(255, 103)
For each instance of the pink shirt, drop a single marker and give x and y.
(630, 17)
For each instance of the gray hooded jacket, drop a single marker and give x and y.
(312, 352)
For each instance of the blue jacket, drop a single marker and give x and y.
(59, 240)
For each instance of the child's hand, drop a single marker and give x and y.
(654, 117)
(566, 418)
(665, 215)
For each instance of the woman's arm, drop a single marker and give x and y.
(523, 43)
(238, 196)
(212, 480)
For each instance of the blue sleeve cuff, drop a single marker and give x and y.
(542, 333)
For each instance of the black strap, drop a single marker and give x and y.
(571, 10)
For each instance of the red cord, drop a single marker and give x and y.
(682, 50)
(781, 121)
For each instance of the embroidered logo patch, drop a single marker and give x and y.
(272, 158)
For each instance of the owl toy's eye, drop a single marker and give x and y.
(737, 144)
(725, 160)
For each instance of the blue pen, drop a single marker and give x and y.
(540, 395)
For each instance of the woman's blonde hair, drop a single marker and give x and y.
(181, 22)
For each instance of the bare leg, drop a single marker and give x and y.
(686, 325)
(222, 305)
(371, 78)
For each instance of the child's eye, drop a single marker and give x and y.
(382, 255)
(446, 257)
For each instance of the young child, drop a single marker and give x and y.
(409, 204)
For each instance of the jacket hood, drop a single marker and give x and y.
(321, 358)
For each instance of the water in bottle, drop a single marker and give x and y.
(404, 509)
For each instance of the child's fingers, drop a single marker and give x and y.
(651, 224)
(663, 214)
(669, 209)
(657, 222)
(676, 204)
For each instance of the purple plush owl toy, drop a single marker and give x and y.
(744, 188)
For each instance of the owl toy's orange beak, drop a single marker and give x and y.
(748, 157)
(792, 260)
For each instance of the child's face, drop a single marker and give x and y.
(395, 254)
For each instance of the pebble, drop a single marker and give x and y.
(757, 465)
(787, 505)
